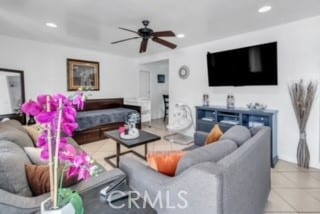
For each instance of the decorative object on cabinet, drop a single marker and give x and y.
(256, 106)
(184, 72)
(230, 101)
(205, 100)
(302, 95)
(83, 74)
(207, 117)
(12, 94)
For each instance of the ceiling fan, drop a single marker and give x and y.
(147, 33)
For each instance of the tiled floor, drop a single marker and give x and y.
(294, 190)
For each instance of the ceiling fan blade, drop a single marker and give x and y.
(164, 42)
(132, 31)
(123, 40)
(143, 46)
(164, 34)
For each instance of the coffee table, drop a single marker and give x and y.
(95, 204)
(143, 139)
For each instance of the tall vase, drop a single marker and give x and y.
(303, 154)
(302, 96)
(47, 204)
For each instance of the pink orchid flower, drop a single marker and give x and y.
(46, 110)
(45, 117)
(42, 140)
(69, 114)
(122, 129)
(31, 108)
(81, 167)
(44, 155)
(69, 128)
(68, 153)
(84, 174)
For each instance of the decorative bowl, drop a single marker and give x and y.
(256, 106)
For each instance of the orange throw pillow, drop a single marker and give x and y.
(215, 134)
(165, 162)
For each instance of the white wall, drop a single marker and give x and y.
(298, 57)
(45, 68)
(157, 89)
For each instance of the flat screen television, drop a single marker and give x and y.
(254, 65)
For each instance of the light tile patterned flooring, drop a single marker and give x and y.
(294, 190)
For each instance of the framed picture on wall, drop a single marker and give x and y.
(83, 74)
(161, 78)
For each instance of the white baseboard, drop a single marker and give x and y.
(293, 160)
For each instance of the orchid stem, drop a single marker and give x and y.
(50, 151)
(61, 176)
(56, 155)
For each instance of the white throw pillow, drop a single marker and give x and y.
(34, 155)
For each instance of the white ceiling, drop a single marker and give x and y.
(93, 24)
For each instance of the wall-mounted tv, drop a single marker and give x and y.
(254, 65)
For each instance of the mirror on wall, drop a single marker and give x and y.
(12, 94)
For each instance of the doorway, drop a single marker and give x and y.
(154, 83)
(144, 86)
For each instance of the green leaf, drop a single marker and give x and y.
(68, 195)
(77, 203)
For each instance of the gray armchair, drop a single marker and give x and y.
(15, 194)
(16, 204)
(193, 190)
(237, 183)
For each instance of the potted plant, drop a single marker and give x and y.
(302, 96)
(57, 114)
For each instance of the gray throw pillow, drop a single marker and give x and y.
(211, 152)
(16, 136)
(34, 155)
(13, 124)
(238, 134)
(12, 169)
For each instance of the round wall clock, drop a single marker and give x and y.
(184, 72)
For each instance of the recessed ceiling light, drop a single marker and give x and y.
(264, 9)
(51, 24)
(180, 35)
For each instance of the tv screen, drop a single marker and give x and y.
(255, 65)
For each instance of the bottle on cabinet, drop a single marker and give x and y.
(230, 101)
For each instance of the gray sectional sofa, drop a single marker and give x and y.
(15, 194)
(231, 176)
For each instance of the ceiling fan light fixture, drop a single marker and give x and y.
(180, 35)
(51, 24)
(264, 9)
(147, 33)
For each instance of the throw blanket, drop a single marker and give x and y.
(91, 119)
